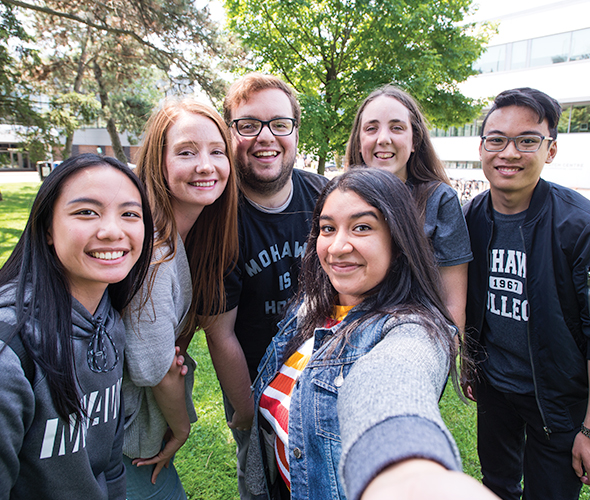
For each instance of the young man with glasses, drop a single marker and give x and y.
(275, 210)
(528, 321)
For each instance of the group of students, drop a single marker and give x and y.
(114, 273)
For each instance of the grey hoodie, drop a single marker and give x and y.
(41, 456)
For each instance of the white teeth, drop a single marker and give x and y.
(203, 184)
(265, 153)
(107, 255)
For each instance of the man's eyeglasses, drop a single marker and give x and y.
(523, 143)
(251, 127)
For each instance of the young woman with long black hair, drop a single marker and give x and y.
(84, 253)
(347, 393)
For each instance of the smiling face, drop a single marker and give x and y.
(265, 162)
(386, 135)
(196, 165)
(97, 231)
(513, 174)
(354, 246)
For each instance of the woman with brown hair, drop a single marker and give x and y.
(390, 132)
(186, 165)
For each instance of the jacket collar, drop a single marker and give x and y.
(538, 201)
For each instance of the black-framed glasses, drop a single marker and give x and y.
(523, 143)
(251, 127)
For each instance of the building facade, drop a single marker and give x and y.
(545, 45)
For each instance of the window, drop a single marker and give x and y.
(574, 119)
(563, 127)
(580, 119)
(551, 49)
(580, 45)
(518, 59)
(492, 60)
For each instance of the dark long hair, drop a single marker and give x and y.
(412, 284)
(39, 279)
(425, 170)
(212, 243)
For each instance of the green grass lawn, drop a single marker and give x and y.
(207, 462)
(14, 211)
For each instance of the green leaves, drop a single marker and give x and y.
(15, 57)
(334, 52)
(70, 110)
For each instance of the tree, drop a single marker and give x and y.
(334, 52)
(176, 34)
(106, 50)
(95, 75)
(15, 104)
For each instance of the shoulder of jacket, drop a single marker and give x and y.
(570, 198)
(406, 321)
(444, 191)
(476, 204)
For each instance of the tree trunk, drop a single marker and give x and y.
(111, 126)
(67, 152)
(116, 142)
(322, 165)
(77, 85)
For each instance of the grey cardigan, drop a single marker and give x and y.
(151, 337)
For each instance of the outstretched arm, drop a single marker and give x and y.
(231, 368)
(454, 289)
(390, 423)
(418, 479)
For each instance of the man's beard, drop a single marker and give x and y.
(266, 186)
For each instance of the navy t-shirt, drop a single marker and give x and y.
(266, 274)
(505, 331)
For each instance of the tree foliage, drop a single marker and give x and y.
(95, 75)
(176, 35)
(15, 104)
(334, 52)
(111, 60)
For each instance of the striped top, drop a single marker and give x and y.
(276, 398)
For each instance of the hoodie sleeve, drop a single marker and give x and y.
(17, 406)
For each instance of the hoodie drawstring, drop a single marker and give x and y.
(98, 354)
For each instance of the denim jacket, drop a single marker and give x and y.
(315, 445)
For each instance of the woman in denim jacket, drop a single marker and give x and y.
(347, 393)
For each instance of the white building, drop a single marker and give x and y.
(544, 45)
